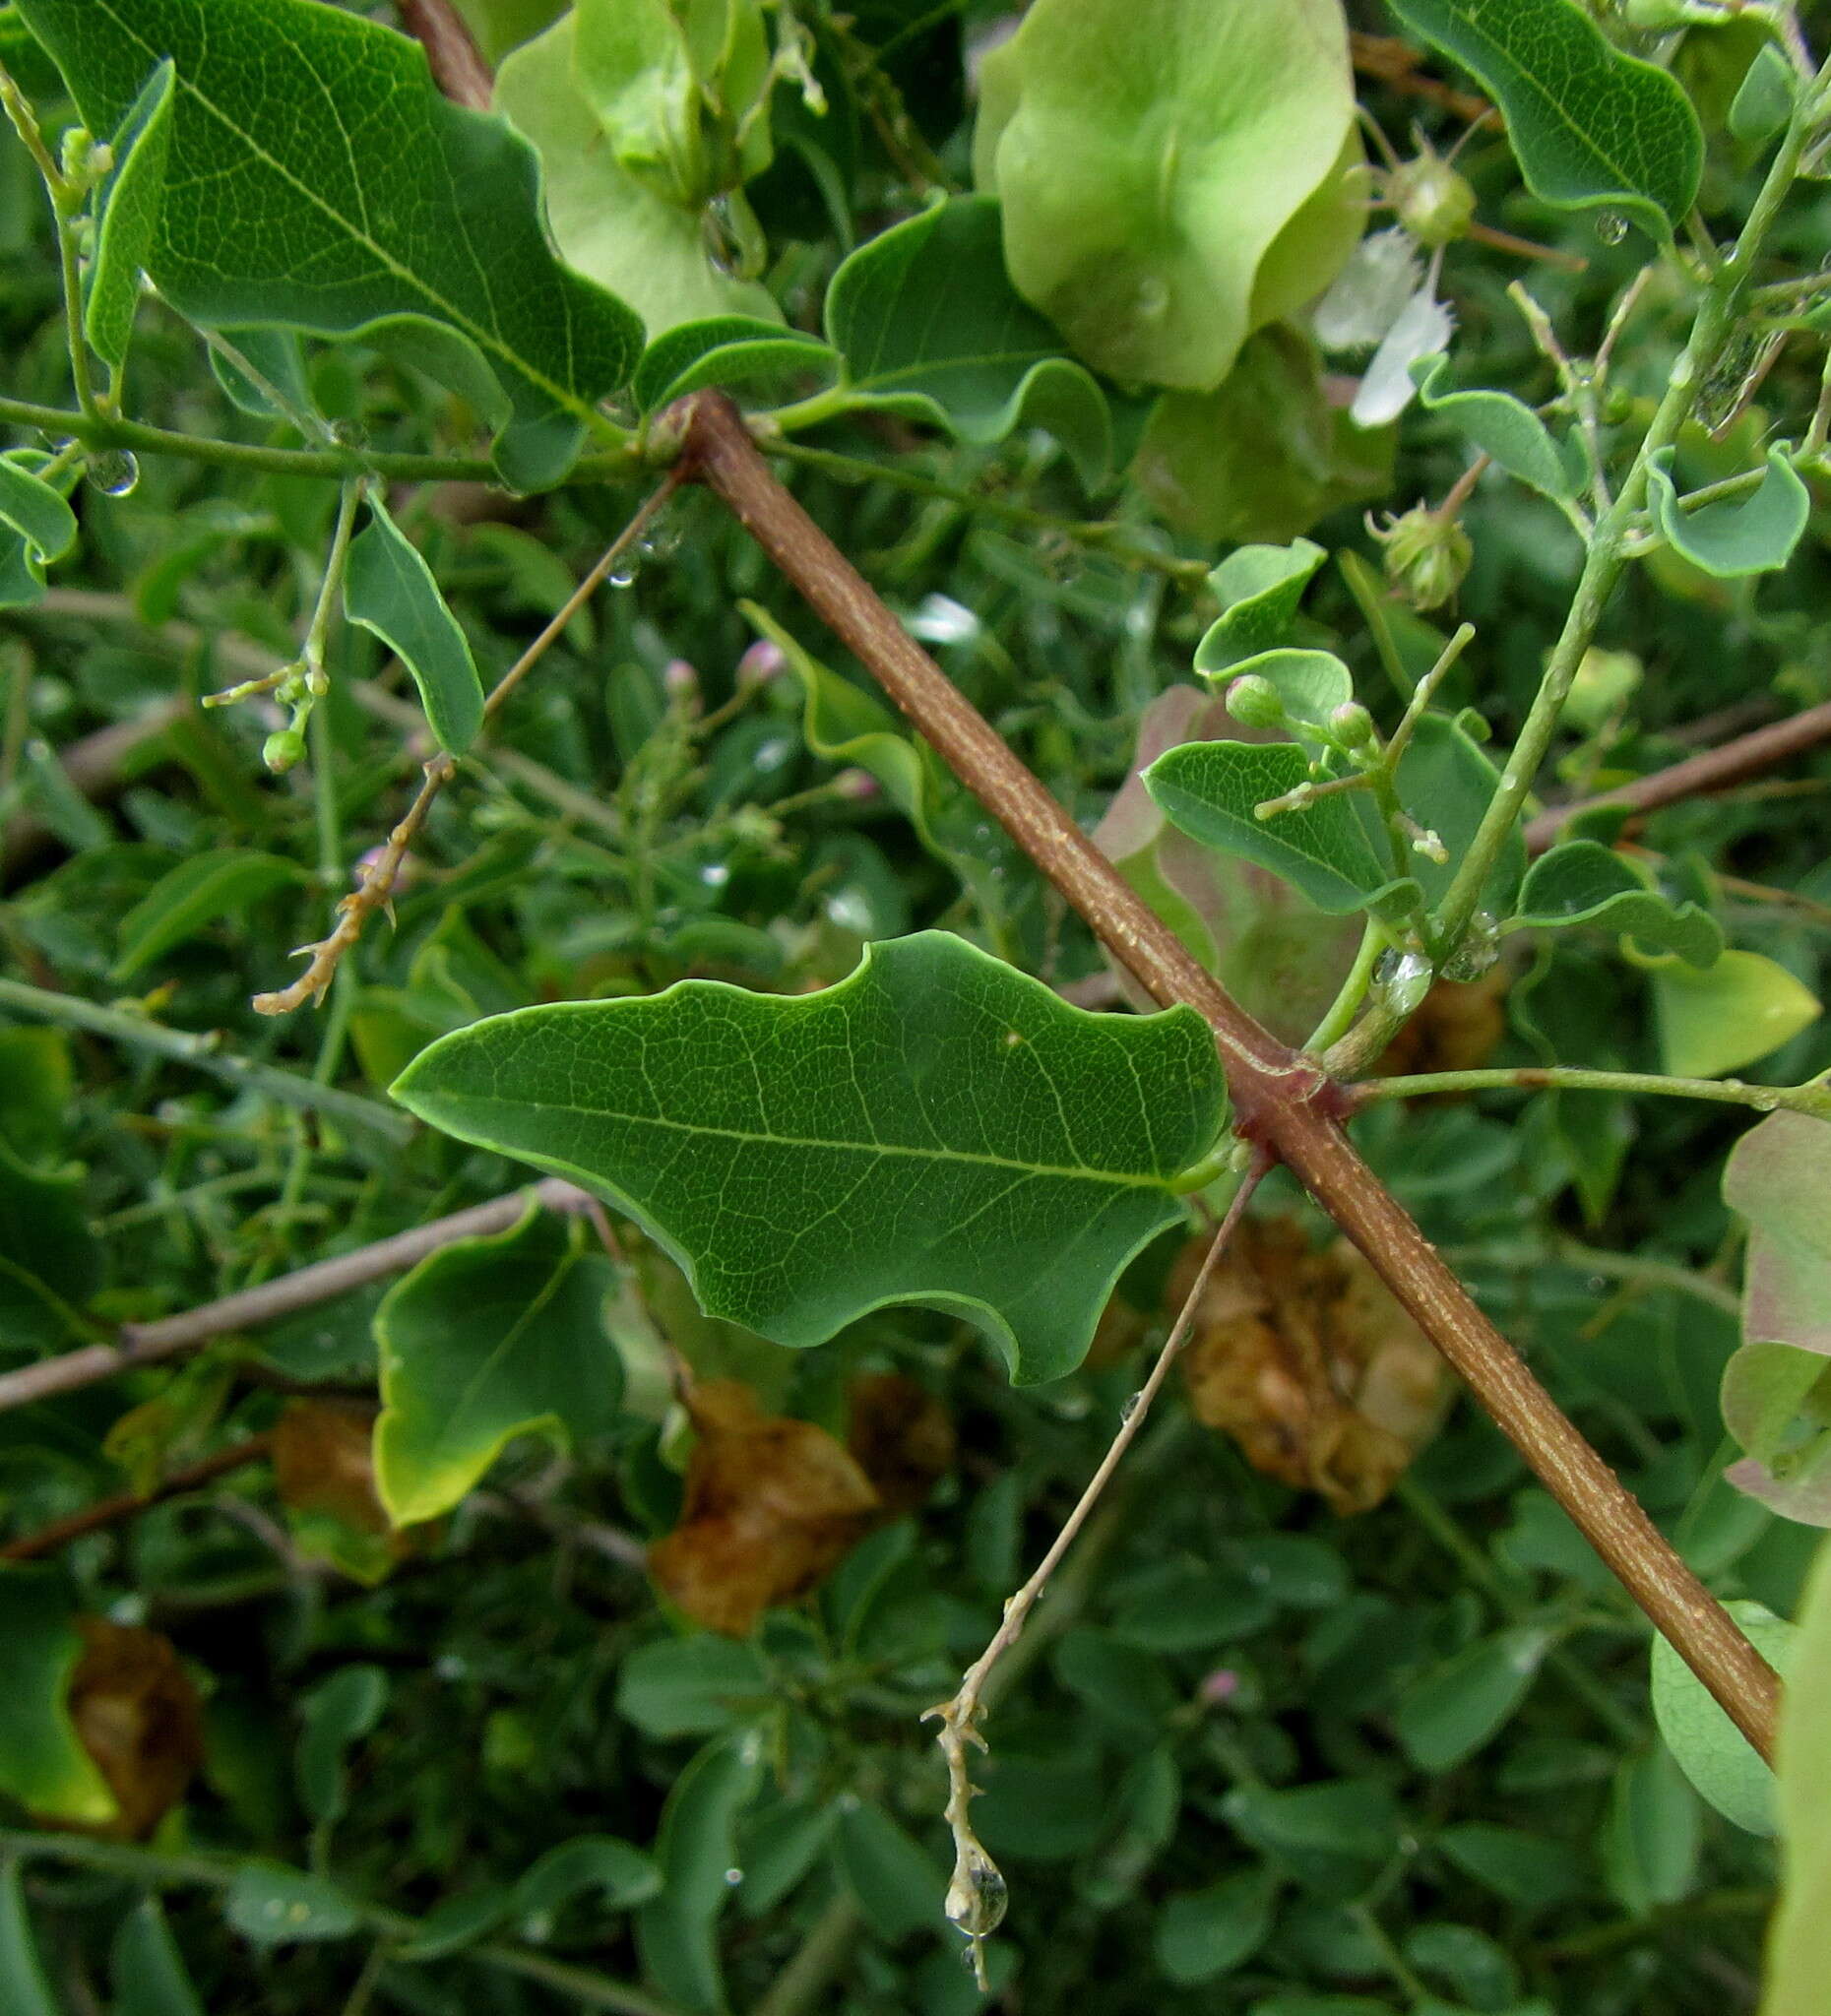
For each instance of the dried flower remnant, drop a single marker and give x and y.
(324, 1474)
(901, 1436)
(1307, 1362)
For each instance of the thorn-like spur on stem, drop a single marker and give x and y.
(975, 1898)
(1283, 1101)
(376, 888)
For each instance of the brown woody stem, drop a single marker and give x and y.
(145, 1344)
(452, 55)
(1282, 1100)
(1711, 771)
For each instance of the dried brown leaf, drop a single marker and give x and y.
(1309, 1362)
(901, 1436)
(771, 1506)
(137, 1715)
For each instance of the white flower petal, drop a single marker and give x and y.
(1368, 295)
(1423, 328)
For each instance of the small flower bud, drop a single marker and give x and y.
(1352, 725)
(856, 785)
(1220, 1686)
(283, 750)
(680, 682)
(761, 662)
(1427, 556)
(1433, 202)
(1254, 702)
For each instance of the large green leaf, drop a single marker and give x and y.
(936, 1129)
(1149, 154)
(1590, 125)
(1583, 882)
(1711, 1752)
(930, 325)
(485, 1340)
(42, 1765)
(609, 226)
(389, 588)
(126, 210)
(1798, 1956)
(318, 180)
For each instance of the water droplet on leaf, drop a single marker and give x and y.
(113, 471)
(1611, 227)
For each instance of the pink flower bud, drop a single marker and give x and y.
(1220, 1686)
(679, 681)
(856, 785)
(761, 662)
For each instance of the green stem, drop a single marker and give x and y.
(203, 1053)
(64, 203)
(1813, 1099)
(1347, 1004)
(1632, 1268)
(817, 1963)
(157, 1871)
(1607, 558)
(109, 430)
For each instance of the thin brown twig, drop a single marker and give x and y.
(1282, 1100)
(376, 889)
(1394, 62)
(193, 1476)
(145, 1344)
(1710, 770)
(976, 1895)
(452, 55)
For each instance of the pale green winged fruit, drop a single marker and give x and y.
(1149, 155)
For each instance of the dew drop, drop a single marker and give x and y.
(734, 1876)
(1611, 227)
(624, 571)
(1129, 1406)
(661, 540)
(1152, 300)
(113, 471)
(977, 1897)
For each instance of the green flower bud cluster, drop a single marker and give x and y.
(1427, 556)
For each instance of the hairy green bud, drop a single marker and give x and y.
(1427, 556)
(1352, 725)
(1255, 703)
(1434, 204)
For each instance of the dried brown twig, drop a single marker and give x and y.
(376, 888)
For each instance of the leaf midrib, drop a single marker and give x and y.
(746, 1138)
(486, 339)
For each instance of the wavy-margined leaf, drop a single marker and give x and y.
(1149, 154)
(1754, 534)
(1799, 1953)
(1502, 426)
(1590, 125)
(328, 186)
(485, 1340)
(42, 1765)
(389, 588)
(1260, 589)
(727, 350)
(844, 724)
(929, 324)
(1736, 1010)
(1583, 882)
(126, 214)
(1280, 958)
(1711, 1752)
(39, 514)
(609, 226)
(196, 893)
(936, 1129)
(1330, 848)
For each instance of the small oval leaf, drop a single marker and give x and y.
(389, 588)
